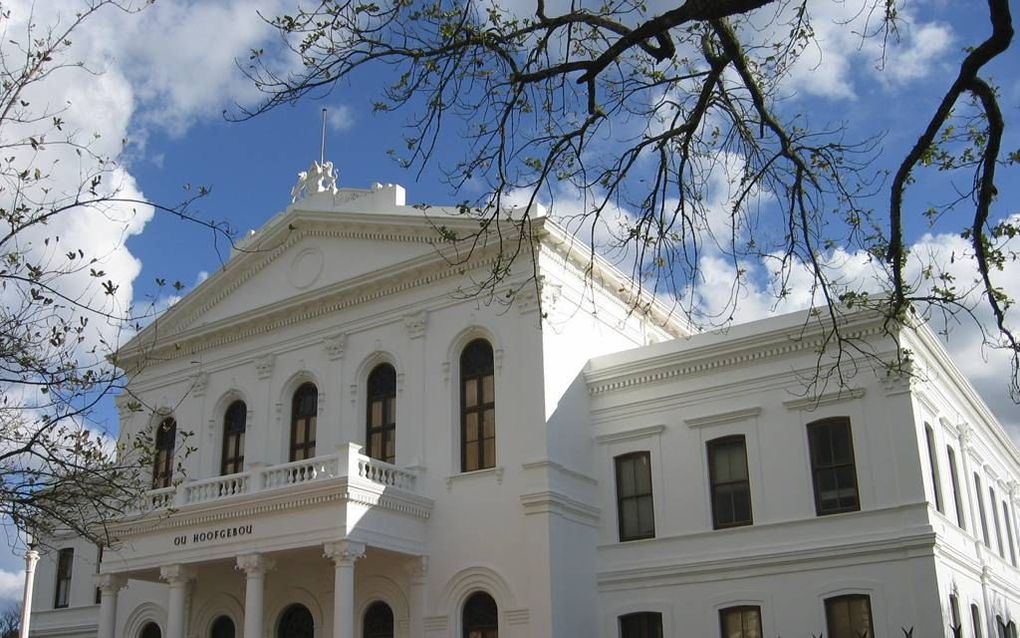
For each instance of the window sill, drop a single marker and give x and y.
(475, 474)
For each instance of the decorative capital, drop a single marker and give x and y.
(344, 553)
(110, 583)
(264, 366)
(176, 575)
(418, 567)
(416, 324)
(334, 346)
(199, 384)
(966, 435)
(254, 564)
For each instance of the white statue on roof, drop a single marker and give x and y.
(319, 178)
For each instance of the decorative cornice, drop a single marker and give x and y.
(552, 502)
(517, 616)
(723, 417)
(809, 403)
(627, 435)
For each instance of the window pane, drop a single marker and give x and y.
(470, 393)
(471, 457)
(471, 426)
(489, 453)
(488, 393)
(489, 423)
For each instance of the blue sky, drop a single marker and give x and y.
(168, 73)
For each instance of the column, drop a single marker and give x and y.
(109, 585)
(417, 569)
(255, 567)
(343, 554)
(177, 577)
(31, 558)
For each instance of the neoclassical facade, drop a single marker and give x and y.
(352, 443)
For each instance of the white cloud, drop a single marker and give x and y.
(12, 585)
(340, 117)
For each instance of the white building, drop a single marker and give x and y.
(378, 452)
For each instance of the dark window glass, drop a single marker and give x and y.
(730, 485)
(995, 519)
(480, 618)
(1011, 629)
(955, 625)
(303, 414)
(378, 622)
(981, 510)
(740, 622)
(234, 424)
(954, 477)
(634, 506)
(477, 407)
(65, 564)
(849, 617)
(832, 466)
(1000, 627)
(99, 564)
(223, 627)
(975, 621)
(933, 465)
(296, 622)
(163, 465)
(1008, 520)
(643, 624)
(381, 420)
(150, 630)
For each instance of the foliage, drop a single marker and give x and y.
(62, 315)
(639, 109)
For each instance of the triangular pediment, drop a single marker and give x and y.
(303, 254)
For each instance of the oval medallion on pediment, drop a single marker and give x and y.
(306, 267)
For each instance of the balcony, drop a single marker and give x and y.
(347, 463)
(344, 495)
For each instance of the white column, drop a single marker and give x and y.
(255, 567)
(109, 585)
(344, 554)
(178, 577)
(417, 570)
(31, 558)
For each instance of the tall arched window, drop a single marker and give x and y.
(477, 407)
(163, 465)
(222, 627)
(378, 621)
(296, 621)
(303, 413)
(150, 630)
(234, 423)
(381, 420)
(480, 617)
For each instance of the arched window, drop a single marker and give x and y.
(163, 466)
(150, 630)
(477, 407)
(304, 410)
(222, 627)
(480, 617)
(378, 622)
(234, 423)
(381, 420)
(296, 622)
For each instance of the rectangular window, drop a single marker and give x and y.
(832, 466)
(955, 626)
(933, 465)
(99, 564)
(849, 617)
(981, 510)
(1008, 519)
(995, 519)
(740, 622)
(634, 505)
(643, 624)
(954, 477)
(730, 485)
(65, 563)
(975, 621)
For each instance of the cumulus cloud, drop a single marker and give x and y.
(12, 584)
(340, 117)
